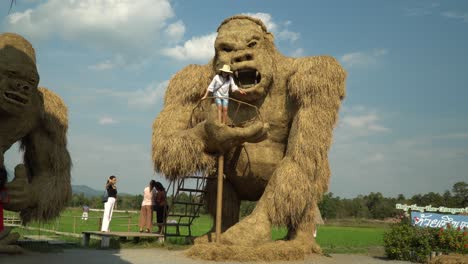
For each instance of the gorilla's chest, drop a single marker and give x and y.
(13, 129)
(251, 165)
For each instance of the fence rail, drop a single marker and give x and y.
(72, 224)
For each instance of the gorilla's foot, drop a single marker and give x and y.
(8, 241)
(270, 251)
(10, 249)
(253, 230)
(206, 238)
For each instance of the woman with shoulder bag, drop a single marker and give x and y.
(109, 205)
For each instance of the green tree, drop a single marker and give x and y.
(328, 206)
(460, 194)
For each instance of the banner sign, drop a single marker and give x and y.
(429, 208)
(438, 220)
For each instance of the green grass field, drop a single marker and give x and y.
(348, 237)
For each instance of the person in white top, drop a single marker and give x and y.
(219, 86)
(146, 212)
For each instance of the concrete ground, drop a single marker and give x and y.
(159, 256)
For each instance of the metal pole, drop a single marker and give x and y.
(219, 201)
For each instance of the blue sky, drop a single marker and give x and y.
(402, 128)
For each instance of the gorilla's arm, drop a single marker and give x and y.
(176, 149)
(47, 164)
(317, 88)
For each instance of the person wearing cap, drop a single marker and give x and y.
(219, 86)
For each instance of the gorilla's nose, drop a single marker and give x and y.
(22, 87)
(247, 56)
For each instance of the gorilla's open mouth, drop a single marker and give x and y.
(15, 97)
(246, 78)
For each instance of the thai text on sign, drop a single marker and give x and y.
(438, 220)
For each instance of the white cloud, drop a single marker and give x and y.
(197, 49)
(362, 59)
(359, 121)
(201, 48)
(367, 122)
(107, 120)
(299, 52)
(288, 35)
(175, 31)
(456, 15)
(97, 157)
(392, 163)
(458, 135)
(421, 11)
(141, 98)
(283, 33)
(266, 19)
(117, 61)
(107, 24)
(376, 157)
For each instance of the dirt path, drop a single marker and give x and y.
(158, 256)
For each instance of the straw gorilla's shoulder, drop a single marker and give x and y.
(317, 75)
(55, 114)
(189, 84)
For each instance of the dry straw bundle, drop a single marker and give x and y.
(41, 127)
(285, 168)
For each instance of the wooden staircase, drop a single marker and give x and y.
(188, 198)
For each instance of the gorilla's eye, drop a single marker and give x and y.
(252, 44)
(11, 73)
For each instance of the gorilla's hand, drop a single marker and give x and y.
(20, 191)
(220, 137)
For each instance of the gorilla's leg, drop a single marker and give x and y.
(231, 204)
(288, 200)
(303, 233)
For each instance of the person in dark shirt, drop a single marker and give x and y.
(160, 206)
(109, 205)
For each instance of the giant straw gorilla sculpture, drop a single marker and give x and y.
(38, 119)
(282, 162)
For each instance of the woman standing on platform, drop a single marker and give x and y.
(109, 205)
(146, 212)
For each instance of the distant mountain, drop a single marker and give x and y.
(90, 192)
(86, 190)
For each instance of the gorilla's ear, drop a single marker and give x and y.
(270, 37)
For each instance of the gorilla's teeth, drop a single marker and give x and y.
(256, 73)
(237, 74)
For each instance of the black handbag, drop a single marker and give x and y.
(105, 196)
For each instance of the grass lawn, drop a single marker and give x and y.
(333, 238)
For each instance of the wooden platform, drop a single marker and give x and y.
(105, 236)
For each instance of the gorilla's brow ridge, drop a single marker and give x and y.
(255, 20)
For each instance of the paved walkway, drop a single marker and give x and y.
(159, 256)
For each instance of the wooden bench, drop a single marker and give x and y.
(106, 236)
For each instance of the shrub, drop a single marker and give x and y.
(406, 242)
(453, 240)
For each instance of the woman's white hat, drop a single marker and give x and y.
(226, 68)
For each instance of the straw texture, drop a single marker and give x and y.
(281, 159)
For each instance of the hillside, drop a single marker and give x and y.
(86, 190)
